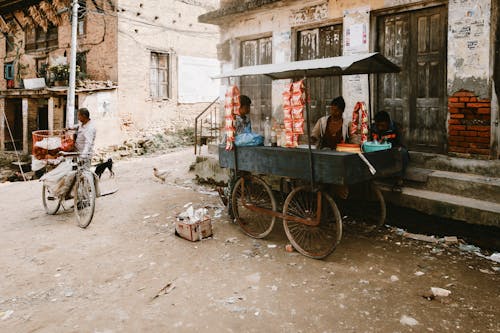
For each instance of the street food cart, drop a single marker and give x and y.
(311, 218)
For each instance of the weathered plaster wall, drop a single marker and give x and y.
(469, 46)
(103, 106)
(159, 26)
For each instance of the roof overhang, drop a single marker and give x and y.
(220, 15)
(9, 6)
(366, 63)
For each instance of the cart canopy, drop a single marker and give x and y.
(365, 63)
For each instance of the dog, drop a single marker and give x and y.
(101, 167)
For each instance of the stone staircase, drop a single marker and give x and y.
(452, 188)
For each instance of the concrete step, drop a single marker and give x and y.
(463, 184)
(472, 211)
(490, 168)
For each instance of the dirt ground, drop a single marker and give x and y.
(57, 277)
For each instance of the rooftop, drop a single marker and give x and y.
(217, 16)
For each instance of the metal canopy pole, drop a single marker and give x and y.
(70, 106)
(308, 119)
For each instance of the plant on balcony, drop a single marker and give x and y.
(61, 72)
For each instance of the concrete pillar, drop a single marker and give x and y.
(51, 113)
(25, 126)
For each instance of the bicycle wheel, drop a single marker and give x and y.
(84, 199)
(315, 242)
(255, 192)
(50, 202)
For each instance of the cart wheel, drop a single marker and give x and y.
(315, 242)
(84, 199)
(50, 202)
(366, 205)
(254, 191)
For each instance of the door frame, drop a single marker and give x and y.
(375, 16)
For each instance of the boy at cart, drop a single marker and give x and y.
(385, 130)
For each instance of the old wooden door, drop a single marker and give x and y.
(257, 87)
(319, 43)
(416, 97)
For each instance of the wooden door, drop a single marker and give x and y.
(257, 87)
(323, 42)
(416, 97)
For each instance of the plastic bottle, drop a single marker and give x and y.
(274, 137)
(267, 132)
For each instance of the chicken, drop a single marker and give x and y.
(161, 174)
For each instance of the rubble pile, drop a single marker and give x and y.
(92, 84)
(153, 139)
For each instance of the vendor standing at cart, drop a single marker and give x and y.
(327, 132)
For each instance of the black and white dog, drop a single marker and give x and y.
(101, 167)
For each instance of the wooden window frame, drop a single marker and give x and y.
(155, 91)
(41, 44)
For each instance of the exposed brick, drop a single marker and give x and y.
(454, 133)
(457, 127)
(484, 134)
(457, 149)
(454, 110)
(464, 93)
(454, 122)
(464, 99)
(468, 133)
(457, 116)
(473, 99)
(470, 116)
(456, 105)
(478, 139)
(484, 101)
(458, 144)
(478, 128)
(480, 151)
(456, 138)
(479, 145)
(483, 111)
(452, 99)
(478, 105)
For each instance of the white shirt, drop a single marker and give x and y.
(85, 139)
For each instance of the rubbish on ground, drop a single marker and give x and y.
(440, 292)
(271, 246)
(486, 271)
(147, 217)
(155, 215)
(289, 248)
(408, 321)
(394, 278)
(400, 232)
(424, 238)
(232, 240)
(419, 273)
(194, 225)
(6, 315)
(165, 290)
(495, 257)
(188, 204)
(469, 248)
(496, 268)
(450, 239)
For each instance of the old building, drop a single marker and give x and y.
(139, 62)
(444, 97)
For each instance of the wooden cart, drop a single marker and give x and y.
(311, 218)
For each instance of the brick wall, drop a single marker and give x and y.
(469, 125)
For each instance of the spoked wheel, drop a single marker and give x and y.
(50, 202)
(314, 241)
(84, 199)
(366, 204)
(251, 196)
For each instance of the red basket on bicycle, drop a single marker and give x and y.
(47, 144)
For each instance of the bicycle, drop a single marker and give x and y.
(82, 190)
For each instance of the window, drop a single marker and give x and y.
(82, 20)
(9, 43)
(81, 61)
(37, 39)
(257, 87)
(159, 78)
(317, 43)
